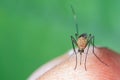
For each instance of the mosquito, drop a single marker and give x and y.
(82, 41)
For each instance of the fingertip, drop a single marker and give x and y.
(95, 70)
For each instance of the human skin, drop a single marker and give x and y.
(64, 69)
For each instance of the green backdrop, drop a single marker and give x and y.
(33, 32)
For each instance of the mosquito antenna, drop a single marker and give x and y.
(75, 19)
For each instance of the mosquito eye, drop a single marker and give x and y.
(83, 35)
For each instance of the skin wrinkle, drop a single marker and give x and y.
(95, 69)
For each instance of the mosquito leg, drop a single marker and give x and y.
(86, 56)
(94, 52)
(80, 57)
(74, 42)
(88, 43)
(93, 43)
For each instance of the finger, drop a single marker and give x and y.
(40, 71)
(95, 69)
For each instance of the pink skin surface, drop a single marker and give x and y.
(64, 69)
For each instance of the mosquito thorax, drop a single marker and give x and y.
(82, 42)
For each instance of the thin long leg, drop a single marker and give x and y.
(94, 52)
(74, 42)
(88, 43)
(86, 56)
(80, 57)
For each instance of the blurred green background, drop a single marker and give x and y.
(33, 32)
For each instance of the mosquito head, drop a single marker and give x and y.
(81, 51)
(84, 35)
